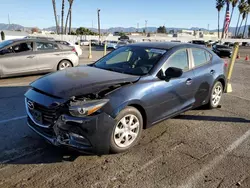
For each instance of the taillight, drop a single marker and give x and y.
(74, 50)
(225, 63)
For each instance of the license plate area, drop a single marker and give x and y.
(37, 116)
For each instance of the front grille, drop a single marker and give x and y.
(48, 115)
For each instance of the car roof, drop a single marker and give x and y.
(30, 39)
(164, 45)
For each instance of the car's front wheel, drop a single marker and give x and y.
(216, 95)
(127, 130)
(64, 64)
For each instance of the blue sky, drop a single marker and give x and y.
(178, 13)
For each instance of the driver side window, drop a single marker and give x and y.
(178, 60)
(120, 57)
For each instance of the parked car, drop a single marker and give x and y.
(121, 43)
(222, 50)
(35, 37)
(94, 42)
(76, 47)
(230, 44)
(104, 107)
(29, 56)
(124, 37)
(83, 43)
(112, 45)
(199, 42)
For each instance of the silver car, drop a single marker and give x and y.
(30, 56)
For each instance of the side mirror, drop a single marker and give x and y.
(173, 72)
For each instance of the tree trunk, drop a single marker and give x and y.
(240, 26)
(54, 8)
(70, 20)
(68, 16)
(231, 17)
(236, 31)
(245, 26)
(62, 17)
(218, 24)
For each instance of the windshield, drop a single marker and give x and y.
(132, 60)
(5, 43)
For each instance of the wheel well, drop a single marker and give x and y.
(62, 61)
(143, 113)
(222, 81)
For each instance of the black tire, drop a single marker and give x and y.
(114, 148)
(211, 104)
(64, 62)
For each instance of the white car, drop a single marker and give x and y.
(84, 42)
(76, 47)
(112, 45)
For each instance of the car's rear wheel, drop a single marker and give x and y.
(127, 130)
(64, 64)
(216, 95)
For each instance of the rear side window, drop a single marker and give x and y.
(46, 46)
(201, 57)
(178, 60)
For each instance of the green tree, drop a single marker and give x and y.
(161, 29)
(54, 8)
(62, 16)
(69, 16)
(84, 31)
(219, 6)
(241, 10)
(247, 10)
(2, 35)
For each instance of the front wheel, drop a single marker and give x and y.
(127, 130)
(215, 96)
(64, 64)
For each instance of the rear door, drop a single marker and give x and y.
(204, 74)
(20, 58)
(48, 55)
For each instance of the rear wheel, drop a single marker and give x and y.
(215, 96)
(127, 131)
(64, 64)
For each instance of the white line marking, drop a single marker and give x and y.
(193, 180)
(12, 119)
(239, 97)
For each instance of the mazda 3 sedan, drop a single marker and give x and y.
(32, 56)
(104, 107)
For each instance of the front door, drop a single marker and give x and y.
(177, 94)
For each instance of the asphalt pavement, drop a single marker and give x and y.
(199, 148)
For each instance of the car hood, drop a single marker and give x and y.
(79, 81)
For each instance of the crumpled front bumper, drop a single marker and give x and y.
(88, 135)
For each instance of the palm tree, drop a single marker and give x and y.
(219, 6)
(54, 7)
(234, 3)
(62, 16)
(247, 10)
(244, 15)
(69, 16)
(241, 10)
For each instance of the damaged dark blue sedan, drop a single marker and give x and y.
(103, 107)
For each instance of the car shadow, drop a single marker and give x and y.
(213, 118)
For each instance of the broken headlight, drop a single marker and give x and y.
(85, 108)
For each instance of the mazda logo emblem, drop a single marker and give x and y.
(31, 105)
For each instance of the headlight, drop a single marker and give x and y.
(85, 108)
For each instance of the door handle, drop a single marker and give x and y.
(30, 57)
(189, 81)
(212, 71)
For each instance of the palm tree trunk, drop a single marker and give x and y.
(70, 20)
(231, 17)
(68, 15)
(218, 24)
(54, 8)
(245, 26)
(240, 26)
(62, 17)
(236, 31)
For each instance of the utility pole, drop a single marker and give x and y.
(208, 27)
(9, 20)
(99, 27)
(92, 24)
(146, 23)
(137, 27)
